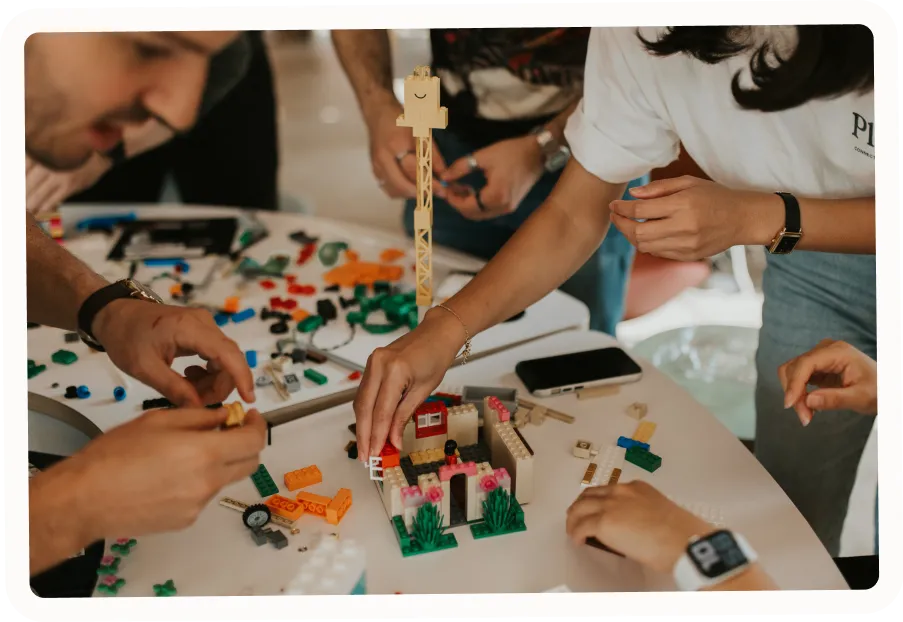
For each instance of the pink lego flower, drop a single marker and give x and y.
(107, 560)
(122, 541)
(489, 483)
(109, 579)
(434, 494)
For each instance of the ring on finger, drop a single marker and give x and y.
(472, 162)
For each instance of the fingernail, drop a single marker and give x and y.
(787, 403)
(639, 189)
(806, 420)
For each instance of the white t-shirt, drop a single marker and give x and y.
(637, 108)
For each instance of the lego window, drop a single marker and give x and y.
(423, 421)
(435, 419)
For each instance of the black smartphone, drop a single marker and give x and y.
(568, 372)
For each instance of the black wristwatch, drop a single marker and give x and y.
(126, 288)
(787, 238)
(554, 154)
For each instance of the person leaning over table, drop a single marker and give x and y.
(761, 110)
(82, 91)
(509, 93)
(219, 161)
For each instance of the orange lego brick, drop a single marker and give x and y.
(314, 504)
(300, 314)
(391, 254)
(285, 507)
(362, 273)
(351, 255)
(336, 509)
(175, 290)
(301, 478)
(231, 305)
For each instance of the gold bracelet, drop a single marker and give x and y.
(466, 353)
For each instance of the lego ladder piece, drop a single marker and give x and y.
(422, 114)
(644, 431)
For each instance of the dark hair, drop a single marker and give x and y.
(828, 61)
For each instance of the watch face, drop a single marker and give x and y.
(557, 160)
(143, 291)
(716, 554)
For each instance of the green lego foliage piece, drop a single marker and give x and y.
(34, 369)
(63, 357)
(263, 482)
(123, 546)
(310, 323)
(360, 292)
(644, 459)
(110, 584)
(165, 589)
(410, 546)
(427, 528)
(109, 564)
(329, 252)
(502, 514)
(356, 317)
(372, 304)
(380, 329)
(314, 376)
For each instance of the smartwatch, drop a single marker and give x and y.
(787, 238)
(712, 559)
(554, 154)
(126, 288)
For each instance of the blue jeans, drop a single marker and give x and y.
(601, 283)
(809, 297)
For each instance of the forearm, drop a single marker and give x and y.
(544, 252)
(753, 579)
(54, 530)
(829, 225)
(366, 57)
(57, 282)
(557, 125)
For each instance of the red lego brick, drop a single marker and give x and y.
(267, 284)
(428, 408)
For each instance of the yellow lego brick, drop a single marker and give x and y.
(417, 458)
(435, 455)
(644, 431)
(588, 475)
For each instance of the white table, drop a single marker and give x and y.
(702, 463)
(556, 312)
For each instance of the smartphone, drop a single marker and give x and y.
(568, 372)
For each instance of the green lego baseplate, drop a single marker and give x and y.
(644, 459)
(263, 482)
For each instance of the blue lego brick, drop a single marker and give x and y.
(83, 392)
(221, 319)
(627, 443)
(251, 357)
(241, 316)
(119, 394)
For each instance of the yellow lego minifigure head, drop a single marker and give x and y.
(422, 112)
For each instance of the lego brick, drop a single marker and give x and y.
(509, 451)
(123, 546)
(521, 416)
(263, 381)
(475, 395)
(644, 459)
(292, 384)
(338, 506)
(446, 472)
(279, 328)
(259, 536)
(411, 443)
(582, 449)
(316, 357)
(231, 305)
(82, 392)
(589, 474)
(263, 482)
(494, 404)
(394, 480)
(430, 409)
(463, 424)
(637, 410)
(236, 414)
(333, 568)
(554, 414)
(351, 450)
(614, 477)
(310, 324)
(167, 588)
(390, 455)
(277, 539)
(594, 392)
(118, 394)
(315, 376)
(71, 338)
(644, 431)
(627, 443)
(251, 358)
(313, 504)
(412, 497)
(63, 357)
(612, 458)
(326, 309)
(285, 507)
(537, 415)
(302, 478)
(241, 316)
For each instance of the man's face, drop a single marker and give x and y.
(83, 89)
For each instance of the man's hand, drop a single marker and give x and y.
(847, 380)
(512, 167)
(393, 154)
(688, 219)
(143, 339)
(635, 520)
(45, 190)
(153, 474)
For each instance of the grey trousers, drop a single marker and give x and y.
(810, 297)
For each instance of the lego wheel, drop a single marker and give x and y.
(256, 516)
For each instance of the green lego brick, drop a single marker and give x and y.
(410, 547)
(644, 459)
(165, 589)
(63, 357)
(413, 319)
(34, 369)
(263, 482)
(310, 324)
(314, 376)
(360, 292)
(356, 317)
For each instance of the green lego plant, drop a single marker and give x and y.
(502, 514)
(427, 529)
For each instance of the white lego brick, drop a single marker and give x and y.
(611, 458)
(463, 424)
(393, 481)
(508, 451)
(334, 568)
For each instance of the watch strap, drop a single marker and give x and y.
(93, 305)
(792, 218)
(688, 578)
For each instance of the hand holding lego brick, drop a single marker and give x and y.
(143, 339)
(847, 380)
(153, 474)
(635, 520)
(399, 377)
